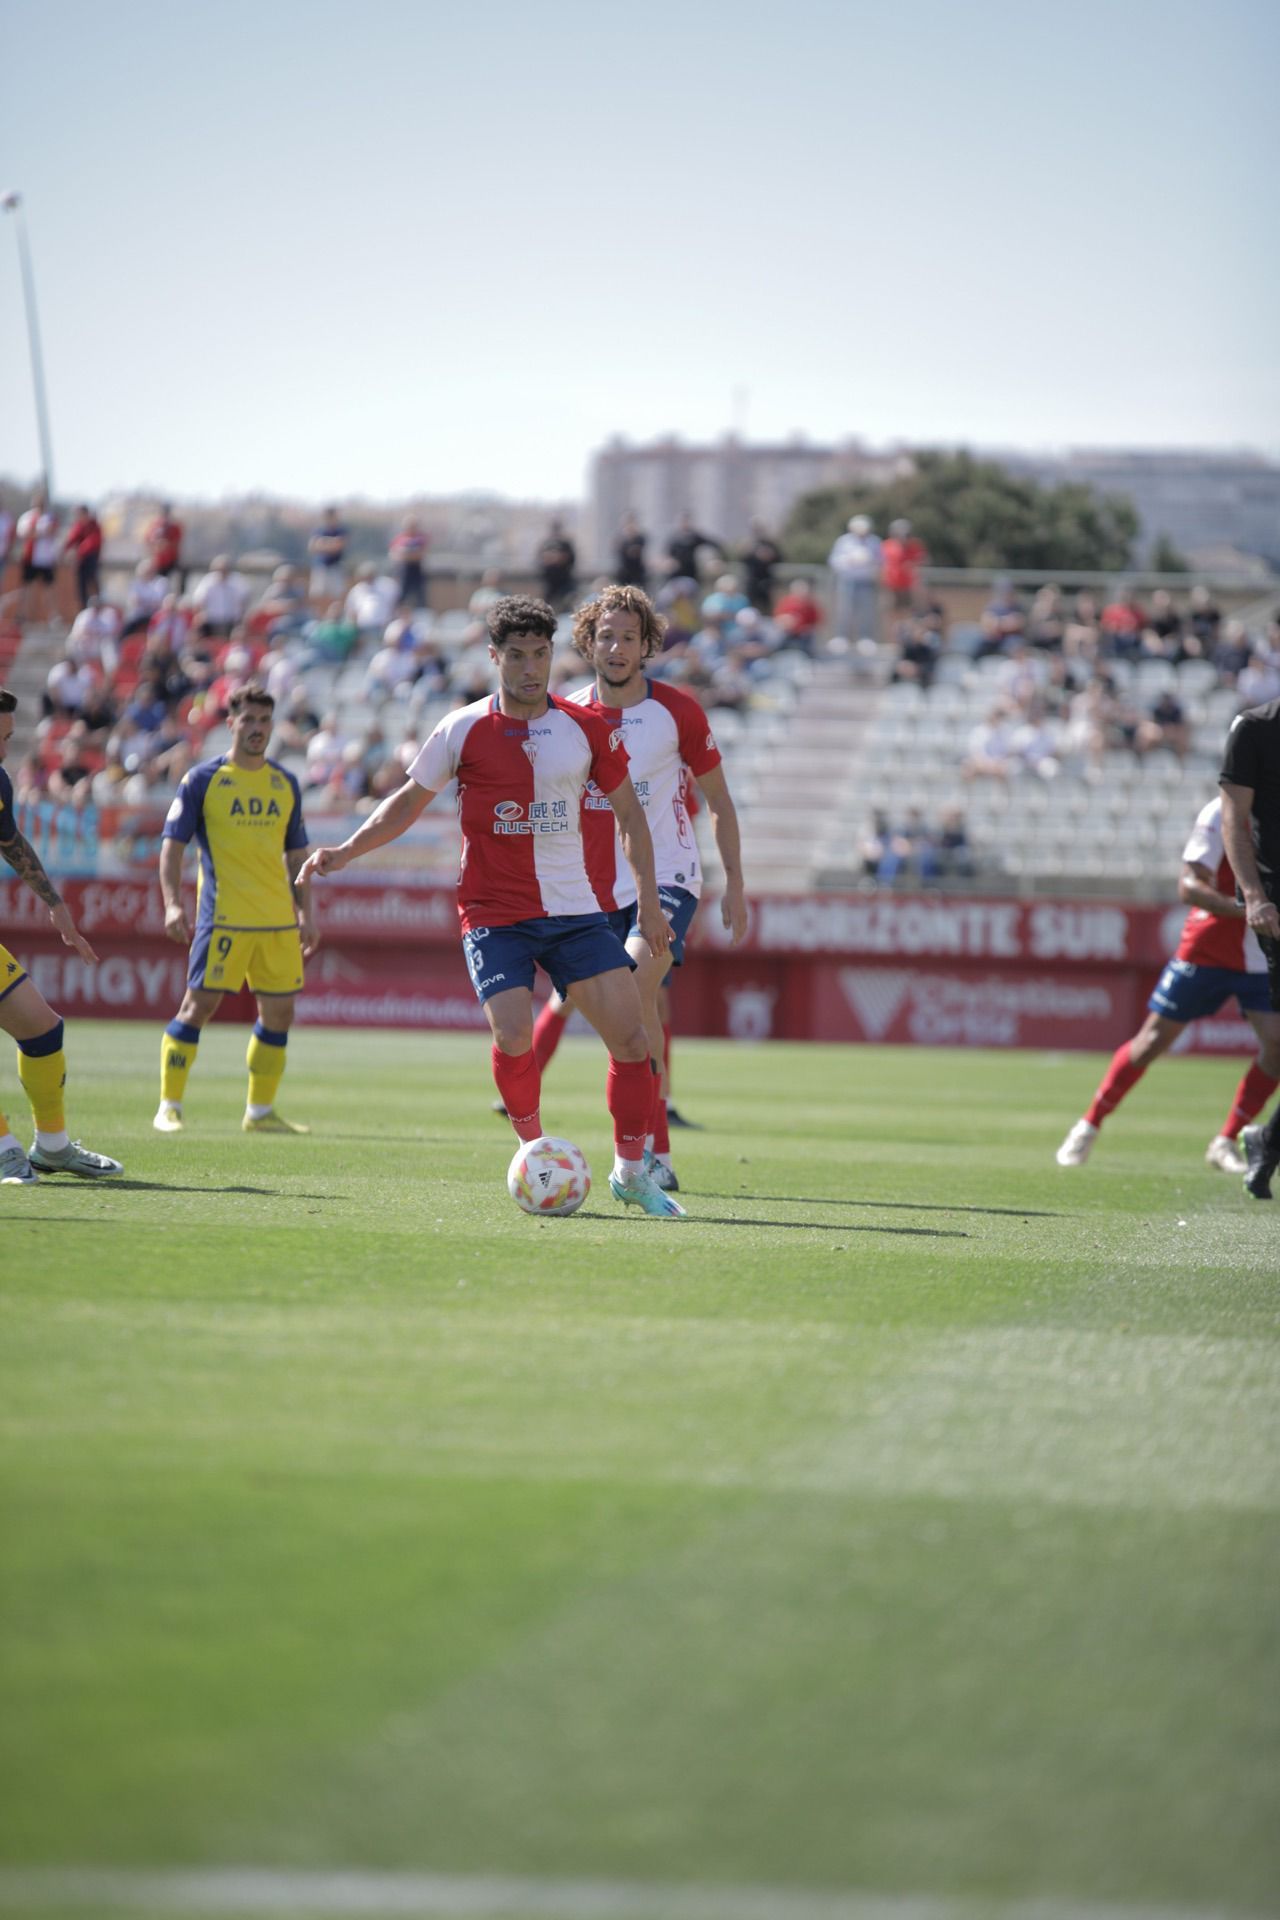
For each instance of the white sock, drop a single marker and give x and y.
(627, 1169)
(8, 1140)
(257, 1113)
(171, 1106)
(52, 1142)
(664, 1159)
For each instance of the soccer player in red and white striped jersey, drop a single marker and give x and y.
(669, 742)
(522, 760)
(1218, 959)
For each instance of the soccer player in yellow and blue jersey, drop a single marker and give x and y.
(27, 1017)
(254, 917)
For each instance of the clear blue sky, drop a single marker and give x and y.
(391, 247)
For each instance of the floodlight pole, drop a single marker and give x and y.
(12, 203)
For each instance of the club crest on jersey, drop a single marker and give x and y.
(615, 739)
(530, 751)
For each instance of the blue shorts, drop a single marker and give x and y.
(678, 904)
(1185, 991)
(567, 946)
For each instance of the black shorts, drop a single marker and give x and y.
(30, 572)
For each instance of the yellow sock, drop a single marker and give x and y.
(265, 1060)
(43, 1074)
(177, 1057)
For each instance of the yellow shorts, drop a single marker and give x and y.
(223, 958)
(11, 974)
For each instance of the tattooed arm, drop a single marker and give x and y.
(25, 861)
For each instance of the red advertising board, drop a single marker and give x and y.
(878, 968)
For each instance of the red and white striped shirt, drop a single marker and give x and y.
(520, 787)
(664, 733)
(1207, 939)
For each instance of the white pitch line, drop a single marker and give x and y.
(445, 1896)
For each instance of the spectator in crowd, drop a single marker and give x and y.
(874, 843)
(220, 599)
(163, 542)
(1046, 623)
(1164, 636)
(1081, 638)
(409, 561)
(855, 562)
(94, 637)
(1258, 682)
(169, 628)
(324, 752)
(685, 546)
(919, 648)
(902, 557)
(1204, 618)
(631, 569)
(235, 671)
(1123, 623)
(370, 603)
(143, 598)
(487, 594)
(331, 640)
(7, 525)
(71, 780)
(954, 854)
(1232, 650)
(31, 782)
(327, 549)
(557, 559)
(799, 615)
(1165, 725)
(722, 606)
(910, 853)
(75, 692)
(282, 609)
(82, 549)
(992, 754)
(37, 536)
(760, 557)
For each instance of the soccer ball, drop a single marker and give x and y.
(548, 1176)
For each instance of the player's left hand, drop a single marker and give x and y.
(652, 925)
(71, 934)
(733, 913)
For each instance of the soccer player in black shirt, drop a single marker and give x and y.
(1250, 782)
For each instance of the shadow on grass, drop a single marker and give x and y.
(110, 1185)
(896, 1206)
(783, 1226)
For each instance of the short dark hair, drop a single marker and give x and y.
(519, 613)
(8, 701)
(251, 694)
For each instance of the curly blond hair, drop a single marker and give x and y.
(653, 624)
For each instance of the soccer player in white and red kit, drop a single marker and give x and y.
(1218, 958)
(522, 760)
(668, 741)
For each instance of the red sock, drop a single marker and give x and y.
(548, 1032)
(666, 1056)
(658, 1124)
(1115, 1083)
(629, 1096)
(519, 1084)
(1252, 1096)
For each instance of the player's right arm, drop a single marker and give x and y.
(176, 925)
(1237, 837)
(1196, 889)
(386, 823)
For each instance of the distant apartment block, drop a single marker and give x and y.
(1201, 501)
(1204, 502)
(725, 486)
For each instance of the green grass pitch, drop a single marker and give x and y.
(904, 1523)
